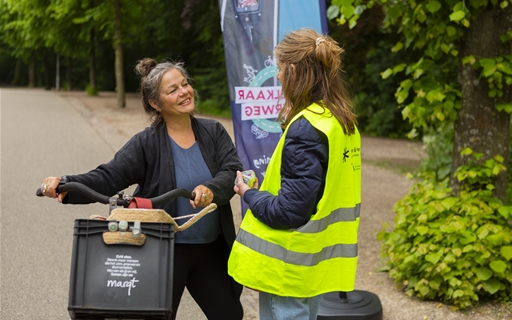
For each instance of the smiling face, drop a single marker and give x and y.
(176, 95)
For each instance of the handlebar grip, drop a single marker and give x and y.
(39, 193)
(83, 189)
(166, 197)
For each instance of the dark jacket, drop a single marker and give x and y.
(146, 160)
(303, 170)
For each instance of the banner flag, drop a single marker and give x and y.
(251, 29)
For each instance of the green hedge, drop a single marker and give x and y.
(455, 249)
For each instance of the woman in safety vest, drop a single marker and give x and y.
(298, 239)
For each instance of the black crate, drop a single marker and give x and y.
(121, 281)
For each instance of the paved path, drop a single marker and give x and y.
(41, 136)
(35, 235)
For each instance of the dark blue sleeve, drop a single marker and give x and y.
(303, 169)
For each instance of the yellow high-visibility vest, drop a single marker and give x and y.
(320, 256)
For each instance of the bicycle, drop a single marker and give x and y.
(270, 62)
(122, 264)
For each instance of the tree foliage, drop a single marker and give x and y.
(367, 51)
(431, 93)
(81, 33)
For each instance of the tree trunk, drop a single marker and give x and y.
(57, 72)
(479, 125)
(46, 66)
(69, 73)
(17, 72)
(92, 64)
(121, 103)
(31, 72)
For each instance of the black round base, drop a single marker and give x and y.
(354, 305)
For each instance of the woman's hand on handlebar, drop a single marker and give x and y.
(49, 188)
(204, 197)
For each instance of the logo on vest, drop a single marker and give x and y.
(345, 154)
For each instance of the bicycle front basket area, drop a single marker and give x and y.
(121, 280)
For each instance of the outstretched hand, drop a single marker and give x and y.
(241, 187)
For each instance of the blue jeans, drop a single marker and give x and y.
(274, 307)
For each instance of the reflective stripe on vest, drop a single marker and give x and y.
(320, 256)
(338, 215)
(302, 259)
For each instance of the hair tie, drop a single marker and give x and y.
(319, 40)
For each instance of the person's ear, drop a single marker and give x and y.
(293, 72)
(293, 68)
(154, 105)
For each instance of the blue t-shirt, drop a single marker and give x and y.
(191, 171)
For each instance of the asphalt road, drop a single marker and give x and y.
(41, 136)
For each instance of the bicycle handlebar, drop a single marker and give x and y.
(101, 198)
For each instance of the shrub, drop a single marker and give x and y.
(455, 249)
(91, 91)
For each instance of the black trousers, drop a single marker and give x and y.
(203, 270)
